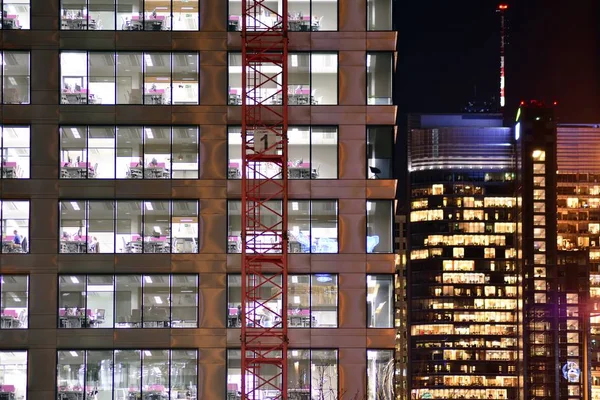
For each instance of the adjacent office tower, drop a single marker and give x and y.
(462, 271)
(120, 199)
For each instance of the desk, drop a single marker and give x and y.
(234, 246)
(11, 170)
(299, 25)
(79, 23)
(234, 23)
(73, 246)
(158, 246)
(299, 173)
(10, 22)
(72, 321)
(70, 395)
(154, 97)
(299, 394)
(156, 173)
(235, 100)
(8, 246)
(9, 322)
(74, 97)
(233, 173)
(148, 395)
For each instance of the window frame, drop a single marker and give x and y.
(392, 306)
(2, 127)
(142, 211)
(392, 25)
(113, 350)
(310, 128)
(337, 202)
(115, 129)
(28, 357)
(28, 299)
(2, 74)
(310, 292)
(393, 158)
(392, 220)
(115, 19)
(114, 305)
(143, 66)
(392, 73)
(310, 73)
(28, 201)
(393, 385)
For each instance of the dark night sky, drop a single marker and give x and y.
(449, 48)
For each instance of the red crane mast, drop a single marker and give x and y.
(264, 339)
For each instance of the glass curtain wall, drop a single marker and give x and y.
(129, 152)
(14, 302)
(128, 226)
(129, 15)
(129, 78)
(127, 374)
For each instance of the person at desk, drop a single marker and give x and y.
(17, 240)
(153, 162)
(94, 245)
(239, 315)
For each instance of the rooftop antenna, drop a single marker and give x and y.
(502, 7)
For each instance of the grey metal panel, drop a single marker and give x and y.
(197, 338)
(88, 40)
(142, 263)
(88, 114)
(137, 338)
(85, 339)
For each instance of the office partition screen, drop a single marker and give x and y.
(312, 225)
(123, 374)
(129, 152)
(128, 226)
(14, 301)
(16, 81)
(312, 80)
(312, 374)
(312, 302)
(129, 15)
(312, 153)
(128, 301)
(129, 78)
(13, 372)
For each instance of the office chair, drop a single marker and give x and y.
(375, 171)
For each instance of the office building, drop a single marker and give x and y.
(462, 260)
(120, 199)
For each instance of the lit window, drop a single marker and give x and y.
(539, 155)
(380, 370)
(379, 15)
(13, 370)
(16, 79)
(14, 301)
(380, 301)
(15, 146)
(380, 219)
(380, 70)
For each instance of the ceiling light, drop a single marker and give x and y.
(147, 353)
(148, 59)
(100, 288)
(149, 133)
(295, 205)
(12, 81)
(158, 300)
(75, 133)
(74, 279)
(149, 206)
(296, 299)
(147, 279)
(75, 206)
(74, 353)
(157, 229)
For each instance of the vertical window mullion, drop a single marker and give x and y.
(171, 166)
(310, 299)
(143, 158)
(2, 77)
(171, 206)
(142, 299)
(87, 76)
(170, 300)
(114, 203)
(85, 355)
(115, 157)
(143, 80)
(310, 144)
(2, 148)
(171, 71)
(310, 231)
(143, 230)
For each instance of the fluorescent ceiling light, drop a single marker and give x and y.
(74, 353)
(147, 279)
(12, 81)
(294, 279)
(294, 60)
(74, 279)
(158, 300)
(147, 353)
(75, 133)
(157, 229)
(75, 206)
(148, 59)
(296, 299)
(149, 133)
(15, 298)
(295, 205)
(100, 288)
(187, 8)
(149, 206)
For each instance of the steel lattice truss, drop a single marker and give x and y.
(264, 201)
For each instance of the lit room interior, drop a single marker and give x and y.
(14, 301)
(152, 374)
(312, 374)
(379, 226)
(312, 80)
(312, 302)
(129, 152)
(312, 154)
(380, 301)
(131, 15)
(128, 301)
(16, 71)
(15, 218)
(13, 374)
(312, 226)
(141, 227)
(16, 14)
(15, 152)
(139, 78)
(322, 17)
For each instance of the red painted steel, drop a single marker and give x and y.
(264, 337)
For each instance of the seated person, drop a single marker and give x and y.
(17, 239)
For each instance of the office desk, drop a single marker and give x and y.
(158, 246)
(234, 246)
(74, 97)
(298, 173)
(73, 246)
(70, 395)
(299, 25)
(233, 173)
(148, 395)
(72, 321)
(9, 247)
(156, 173)
(154, 98)
(10, 22)
(134, 246)
(10, 172)
(9, 322)
(78, 23)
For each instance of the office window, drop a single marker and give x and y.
(130, 15)
(312, 301)
(380, 152)
(120, 374)
(16, 77)
(15, 226)
(303, 15)
(380, 225)
(312, 153)
(15, 151)
(128, 301)
(312, 225)
(16, 14)
(380, 301)
(379, 15)
(13, 373)
(312, 374)
(141, 226)
(14, 301)
(129, 78)
(312, 80)
(380, 67)
(380, 374)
